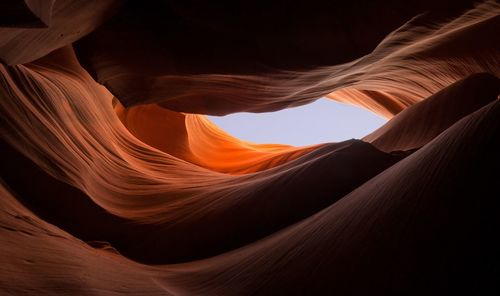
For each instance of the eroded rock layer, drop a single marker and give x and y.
(114, 183)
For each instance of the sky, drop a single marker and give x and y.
(319, 122)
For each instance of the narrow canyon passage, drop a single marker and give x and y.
(356, 153)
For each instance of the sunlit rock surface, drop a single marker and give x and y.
(114, 183)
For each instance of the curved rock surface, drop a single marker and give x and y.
(199, 60)
(113, 182)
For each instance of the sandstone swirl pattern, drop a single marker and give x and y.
(113, 181)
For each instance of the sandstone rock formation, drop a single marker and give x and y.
(113, 182)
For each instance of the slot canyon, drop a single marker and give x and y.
(114, 181)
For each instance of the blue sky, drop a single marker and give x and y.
(319, 122)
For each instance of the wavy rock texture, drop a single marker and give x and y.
(201, 142)
(69, 21)
(105, 194)
(239, 67)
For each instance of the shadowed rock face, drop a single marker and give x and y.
(31, 29)
(218, 59)
(29, 13)
(124, 187)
